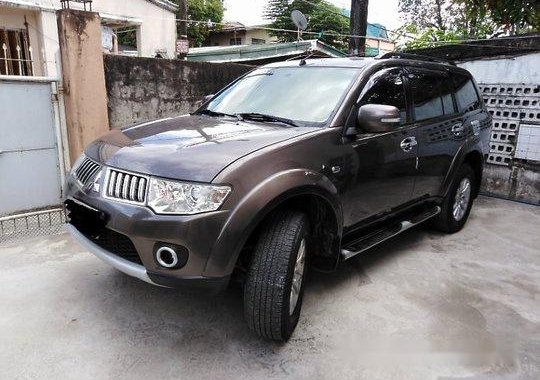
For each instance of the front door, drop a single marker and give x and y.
(384, 162)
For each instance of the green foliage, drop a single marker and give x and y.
(515, 16)
(210, 11)
(127, 36)
(435, 22)
(324, 21)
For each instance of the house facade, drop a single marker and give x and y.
(235, 33)
(29, 33)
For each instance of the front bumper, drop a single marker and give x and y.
(145, 231)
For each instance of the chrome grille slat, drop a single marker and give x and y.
(86, 171)
(125, 186)
(132, 188)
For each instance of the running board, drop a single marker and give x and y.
(366, 242)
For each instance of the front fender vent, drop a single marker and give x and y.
(125, 186)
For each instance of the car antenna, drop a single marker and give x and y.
(303, 60)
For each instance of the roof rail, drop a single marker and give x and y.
(416, 57)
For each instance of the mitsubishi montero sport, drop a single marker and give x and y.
(296, 165)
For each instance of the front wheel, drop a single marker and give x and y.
(275, 282)
(457, 205)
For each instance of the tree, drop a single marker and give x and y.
(438, 21)
(209, 11)
(358, 21)
(514, 16)
(325, 21)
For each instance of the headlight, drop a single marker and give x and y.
(171, 197)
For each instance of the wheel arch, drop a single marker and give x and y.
(472, 157)
(303, 190)
(475, 160)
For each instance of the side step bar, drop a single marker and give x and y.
(371, 240)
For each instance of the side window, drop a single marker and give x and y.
(426, 94)
(386, 87)
(466, 95)
(446, 90)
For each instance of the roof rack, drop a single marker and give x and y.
(416, 57)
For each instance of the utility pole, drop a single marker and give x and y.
(181, 30)
(359, 11)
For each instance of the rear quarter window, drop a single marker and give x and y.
(466, 96)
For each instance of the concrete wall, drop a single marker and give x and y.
(85, 97)
(143, 89)
(509, 86)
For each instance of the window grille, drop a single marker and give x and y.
(16, 55)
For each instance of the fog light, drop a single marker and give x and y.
(167, 257)
(170, 256)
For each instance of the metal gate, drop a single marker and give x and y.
(30, 169)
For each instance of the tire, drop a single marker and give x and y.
(267, 290)
(451, 220)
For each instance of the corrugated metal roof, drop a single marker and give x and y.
(247, 53)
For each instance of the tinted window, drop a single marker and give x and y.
(466, 96)
(447, 98)
(386, 87)
(426, 94)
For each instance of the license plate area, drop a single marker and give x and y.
(86, 219)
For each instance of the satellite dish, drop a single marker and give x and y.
(299, 20)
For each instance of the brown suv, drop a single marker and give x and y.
(296, 164)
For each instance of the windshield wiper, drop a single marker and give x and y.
(215, 113)
(263, 117)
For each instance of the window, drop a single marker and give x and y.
(235, 41)
(15, 53)
(288, 92)
(386, 87)
(426, 94)
(257, 41)
(447, 89)
(466, 96)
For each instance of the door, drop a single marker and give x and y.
(385, 162)
(29, 166)
(440, 129)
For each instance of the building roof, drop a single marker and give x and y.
(263, 52)
(165, 4)
(53, 5)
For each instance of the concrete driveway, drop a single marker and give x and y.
(423, 306)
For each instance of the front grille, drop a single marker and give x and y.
(126, 186)
(86, 171)
(91, 223)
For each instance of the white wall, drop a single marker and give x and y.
(157, 25)
(521, 69)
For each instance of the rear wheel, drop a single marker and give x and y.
(275, 282)
(457, 205)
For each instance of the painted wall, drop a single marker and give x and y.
(223, 38)
(83, 78)
(157, 26)
(521, 69)
(143, 89)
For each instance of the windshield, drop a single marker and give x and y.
(306, 95)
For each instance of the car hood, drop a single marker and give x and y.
(191, 147)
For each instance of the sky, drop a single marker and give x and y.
(249, 12)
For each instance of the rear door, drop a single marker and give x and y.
(439, 127)
(385, 162)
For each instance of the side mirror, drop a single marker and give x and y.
(207, 98)
(378, 118)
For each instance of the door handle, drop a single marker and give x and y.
(408, 144)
